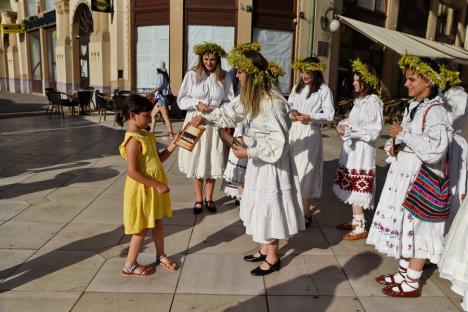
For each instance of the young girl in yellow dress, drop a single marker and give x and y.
(146, 193)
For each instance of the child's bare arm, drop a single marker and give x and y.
(164, 155)
(133, 149)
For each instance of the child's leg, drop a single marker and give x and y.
(135, 245)
(158, 238)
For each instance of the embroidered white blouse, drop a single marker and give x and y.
(457, 99)
(319, 106)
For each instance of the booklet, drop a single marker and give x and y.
(190, 136)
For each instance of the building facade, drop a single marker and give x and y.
(69, 46)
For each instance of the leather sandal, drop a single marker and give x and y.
(382, 279)
(388, 290)
(252, 258)
(144, 270)
(351, 236)
(198, 210)
(210, 205)
(168, 263)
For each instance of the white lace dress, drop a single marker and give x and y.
(355, 175)
(305, 140)
(271, 206)
(206, 160)
(394, 231)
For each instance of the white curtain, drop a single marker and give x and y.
(222, 35)
(277, 46)
(152, 48)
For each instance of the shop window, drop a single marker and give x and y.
(31, 7)
(51, 44)
(151, 48)
(371, 5)
(277, 46)
(49, 5)
(222, 35)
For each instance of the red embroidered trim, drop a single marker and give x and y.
(355, 180)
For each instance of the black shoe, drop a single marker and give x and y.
(252, 258)
(210, 205)
(273, 267)
(307, 221)
(198, 210)
(236, 202)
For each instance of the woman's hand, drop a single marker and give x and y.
(341, 129)
(203, 108)
(395, 129)
(393, 151)
(197, 120)
(304, 118)
(240, 151)
(161, 188)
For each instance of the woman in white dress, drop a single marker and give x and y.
(422, 138)
(271, 206)
(312, 104)
(355, 176)
(204, 88)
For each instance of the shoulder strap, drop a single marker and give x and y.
(425, 114)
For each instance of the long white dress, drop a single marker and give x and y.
(457, 107)
(355, 175)
(454, 262)
(206, 160)
(305, 140)
(271, 206)
(394, 231)
(234, 174)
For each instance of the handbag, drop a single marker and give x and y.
(428, 198)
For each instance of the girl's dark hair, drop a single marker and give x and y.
(134, 103)
(434, 88)
(165, 74)
(317, 81)
(366, 87)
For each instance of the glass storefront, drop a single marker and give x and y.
(35, 58)
(51, 37)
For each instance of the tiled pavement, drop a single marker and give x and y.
(62, 244)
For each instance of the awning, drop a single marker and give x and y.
(401, 42)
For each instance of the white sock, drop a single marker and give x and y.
(400, 276)
(411, 282)
(360, 223)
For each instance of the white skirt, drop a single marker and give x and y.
(271, 206)
(454, 262)
(305, 146)
(394, 231)
(206, 160)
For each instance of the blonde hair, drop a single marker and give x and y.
(200, 69)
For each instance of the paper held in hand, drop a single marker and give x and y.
(190, 136)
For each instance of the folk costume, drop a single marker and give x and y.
(305, 140)
(206, 160)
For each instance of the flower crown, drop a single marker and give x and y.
(263, 78)
(451, 77)
(241, 48)
(305, 67)
(369, 78)
(209, 48)
(419, 67)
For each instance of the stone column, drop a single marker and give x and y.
(432, 20)
(99, 52)
(244, 22)
(63, 50)
(389, 57)
(176, 44)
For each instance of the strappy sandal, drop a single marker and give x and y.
(198, 210)
(132, 270)
(169, 264)
(210, 205)
(382, 279)
(388, 290)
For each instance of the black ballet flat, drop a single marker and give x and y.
(308, 221)
(210, 205)
(198, 210)
(236, 202)
(252, 258)
(273, 267)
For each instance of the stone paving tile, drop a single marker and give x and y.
(85, 237)
(6, 182)
(227, 215)
(309, 275)
(457, 301)
(27, 235)
(342, 247)
(218, 274)
(23, 194)
(109, 278)
(315, 303)
(308, 242)
(12, 259)
(55, 271)
(107, 208)
(443, 284)
(11, 208)
(116, 302)
(220, 240)
(38, 301)
(218, 303)
(421, 304)
(362, 270)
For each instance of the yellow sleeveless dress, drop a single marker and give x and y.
(143, 204)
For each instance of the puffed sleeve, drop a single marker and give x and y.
(327, 108)
(431, 146)
(292, 96)
(271, 143)
(185, 99)
(370, 129)
(228, 90)
(228, 115)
